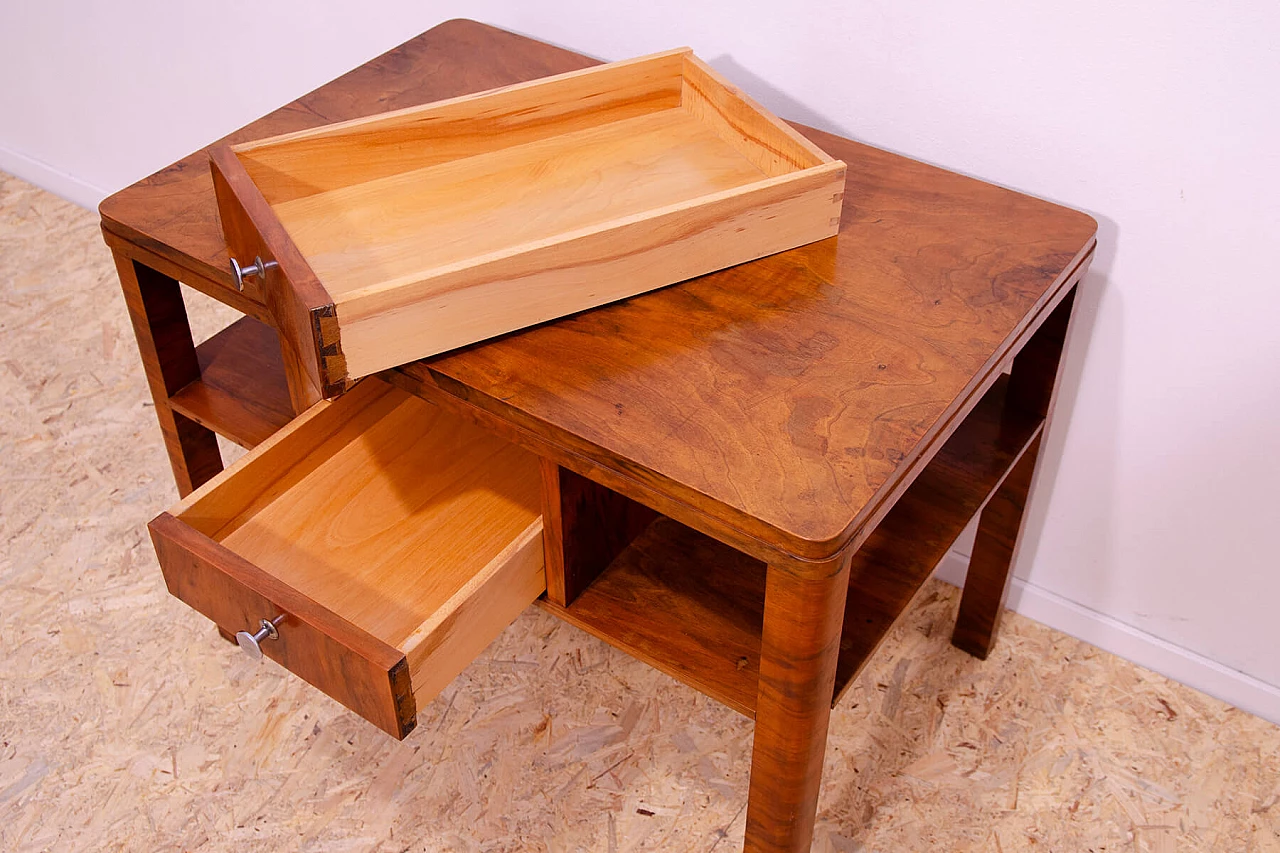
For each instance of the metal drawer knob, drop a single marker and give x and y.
(251, 643)
(258, 267)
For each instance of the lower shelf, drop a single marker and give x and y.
(685, 604)
(893, 564)
(694, 607)
(242, 392)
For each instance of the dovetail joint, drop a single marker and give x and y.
(333, 364)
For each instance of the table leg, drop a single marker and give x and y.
(803, 616)
(168, 352)
(987, 584)
(1033, 384)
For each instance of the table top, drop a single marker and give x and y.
(786, 397)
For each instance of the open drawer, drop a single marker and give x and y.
(388, 541)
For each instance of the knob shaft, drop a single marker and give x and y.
(252, 643)
(258, 267)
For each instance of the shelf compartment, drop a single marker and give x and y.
(892, 565)
(242, 392)
(693, 607)
(685, 604)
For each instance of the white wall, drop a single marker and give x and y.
(1152, 522)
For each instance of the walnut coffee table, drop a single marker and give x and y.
(746, 477)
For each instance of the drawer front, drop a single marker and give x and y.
(367, 675)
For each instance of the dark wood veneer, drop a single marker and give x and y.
(241, 390)
(817, 426)
(360, 671)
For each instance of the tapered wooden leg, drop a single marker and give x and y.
(799, 648)
(585, 526)
(987, 584)
(1033, 384)
(169, 360)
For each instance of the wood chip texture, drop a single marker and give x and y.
(127, 724)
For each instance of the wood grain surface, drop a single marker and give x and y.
(380, 507)
(242, 391)
(986, 584)
(1033, 384)
(468, 218)
(693, 607)
(179, 742)
(380, 514)
(361, 671)
(891, 567)
(301, 308)
(586, 526)
(778, 397)
(169, 360)
(799, 647)
(744, 123)
(685, 604)
(347, 153)
(782, 396)
(782, 405)
(173, 212)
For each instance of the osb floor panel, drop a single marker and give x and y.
(126, 724)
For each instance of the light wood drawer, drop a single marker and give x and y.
(396, 540)
(379, 241)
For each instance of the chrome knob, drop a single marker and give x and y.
(252, 643)
(258, 267)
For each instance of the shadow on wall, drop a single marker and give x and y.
(774, 99)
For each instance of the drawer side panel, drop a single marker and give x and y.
(447, 644)
(394, 324)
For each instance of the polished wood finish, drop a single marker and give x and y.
(419, 380)
(893, 564)
(438, 226)
(169, 224)
(683, 603)
(410, 527)
(783, 408)
(460, 628)
(798, 652)
(990, 565)
(123, 250)
(1033, 379)
(174, 214)
(693, 607)
(241, 391)
(586, 526)
(300, 307)
(784, 398)
(362, 672)
(1033, 383)
(169, 361)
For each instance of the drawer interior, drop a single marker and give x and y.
(393, 515)
(372, 231)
